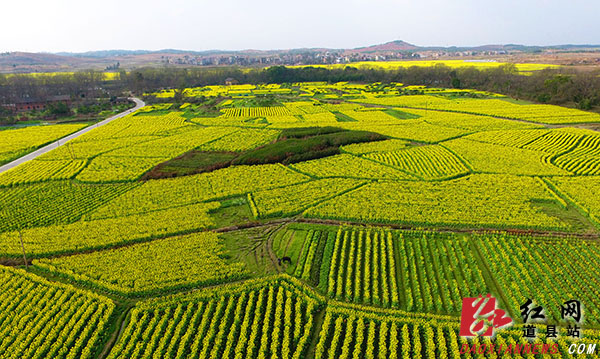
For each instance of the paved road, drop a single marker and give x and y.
(28, 157)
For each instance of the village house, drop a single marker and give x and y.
(30, 104)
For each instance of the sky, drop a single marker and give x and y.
(88, 25)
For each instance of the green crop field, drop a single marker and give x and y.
(341, 221)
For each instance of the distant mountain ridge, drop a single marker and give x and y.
(396, 45)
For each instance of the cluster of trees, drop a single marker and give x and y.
(19, 87)
(556, 86)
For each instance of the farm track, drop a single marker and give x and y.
(60, 142)
(317, 327)
(451, 230)
(490, 278)
(272, 254)
(588, 236)
(121, 321)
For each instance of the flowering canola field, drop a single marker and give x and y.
(357, 247)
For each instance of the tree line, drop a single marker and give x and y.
(561, 86)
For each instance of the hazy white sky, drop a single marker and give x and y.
(84, 25)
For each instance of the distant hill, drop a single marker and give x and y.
(397, 45)
(28, 58)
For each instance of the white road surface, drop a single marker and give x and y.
(28, 157)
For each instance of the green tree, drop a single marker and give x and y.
(59, 108)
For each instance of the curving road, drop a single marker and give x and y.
(28, 157)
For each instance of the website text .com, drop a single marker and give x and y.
(518, 349)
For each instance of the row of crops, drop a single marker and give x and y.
(256, 111)
(349, 332)
(427, 162)
(583, 160)
(41, 319)
(348, 166)
(432, 272)
(273, 317)
(296, 198)
(362, 269)
(260, 319)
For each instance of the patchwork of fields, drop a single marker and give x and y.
(340, 220)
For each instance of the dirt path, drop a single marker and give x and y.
(122, 321)
(317, 327)
(490, 278)
(589, 236)
(272, 254)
